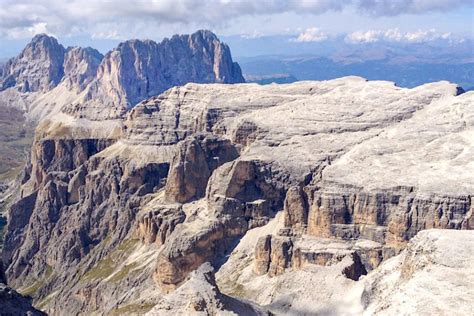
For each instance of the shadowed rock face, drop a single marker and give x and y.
(190, 172)
(80, 66)
(12, 302)
(138, 69)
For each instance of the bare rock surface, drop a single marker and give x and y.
(201, 296)
(116, 214)
(39, 67)
(433, 276)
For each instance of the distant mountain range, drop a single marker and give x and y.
(405, 74)
(408, 64)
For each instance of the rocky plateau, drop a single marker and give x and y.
(148, 193)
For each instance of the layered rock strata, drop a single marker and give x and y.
(117, 213)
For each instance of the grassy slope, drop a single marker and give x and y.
(15, 141)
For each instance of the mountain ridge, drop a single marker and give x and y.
(122, 213)
(134, 70)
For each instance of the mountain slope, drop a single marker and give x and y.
(46, 78)
(116, 214)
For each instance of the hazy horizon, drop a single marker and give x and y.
(270, 26)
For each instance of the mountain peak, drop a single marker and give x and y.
(43, 37)
(206, 34)
(139, 69)
(39, 67)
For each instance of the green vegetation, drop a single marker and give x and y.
(101, 270)
(42, 304)
(37, 284)
(132, 309)
(123, 272)
(108, 265)
(16, 137)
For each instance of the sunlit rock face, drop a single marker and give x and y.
(39, 67)
(84, 83)
(270, 184)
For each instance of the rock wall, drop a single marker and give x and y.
(120, 212)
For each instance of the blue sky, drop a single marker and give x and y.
(103, 23)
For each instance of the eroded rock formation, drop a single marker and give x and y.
(115, 213)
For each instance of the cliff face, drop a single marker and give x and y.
(80, 66)
(116, 214)
(139, 69)
(39, 67)
(84, 83)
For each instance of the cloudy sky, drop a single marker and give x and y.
(101, 23)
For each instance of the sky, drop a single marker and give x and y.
(102, 24)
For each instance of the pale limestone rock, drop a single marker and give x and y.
(130, 162)
(39, 67)
(432, 276)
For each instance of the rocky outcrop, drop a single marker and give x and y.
(14, 303)
(39, 67)
(137, 70)
(200, 295)
(119, 212)
(192, 166)
(436, 261)
(156, 226)
(80, 66)
(273, 255)
(296, 210)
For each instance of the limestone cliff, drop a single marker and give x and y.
(39, 67)
(46, 79)
(116, 214)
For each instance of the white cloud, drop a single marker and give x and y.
(64, 17)
(425, 36)
(252, 35)
(397, 7)
(363, 37)
(313, 34)
(395, 35)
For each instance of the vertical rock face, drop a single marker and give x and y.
(139, 69)
(105, 87)
(190, 172)
(39, 67)
(80, 66)
(193, 165)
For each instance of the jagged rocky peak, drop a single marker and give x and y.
(83, 83)
(80, 66)
(138, 69)
(39, 67)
